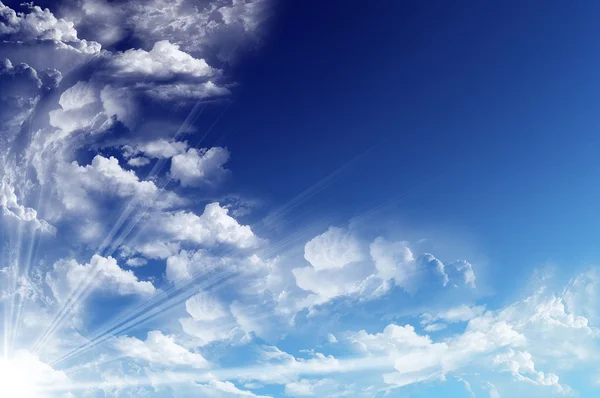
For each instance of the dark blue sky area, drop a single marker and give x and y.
(487, 114)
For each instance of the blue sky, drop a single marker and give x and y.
(256, 198)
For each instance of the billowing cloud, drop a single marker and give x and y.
(332, 249)
(159, 349)
(101, 273)
(195, 167)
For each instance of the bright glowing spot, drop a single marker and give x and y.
(15, 381)
(24, 376)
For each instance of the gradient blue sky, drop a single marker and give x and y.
(304, 198)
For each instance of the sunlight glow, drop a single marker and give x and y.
(15, 380)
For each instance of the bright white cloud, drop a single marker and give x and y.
(203, 306)
(102, 273)
(195, 166)
(41, 24)
(161, 350)
(12, 210)
(164, 61)
(213, 226)
(106, 176)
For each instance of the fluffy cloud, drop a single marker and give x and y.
(340, 266)
(41, 24)
(418, 358)
(53, 42)
(12, 210)
(213, 227)
(210, 321)
(101, 273)
(198, 27)
(160, 350)
(204, 307)
(32, 377)
(165, 61)
(106, 176)
(332, 249)
(21, 89)
(520, 364)
(195, 166)
(161, 149)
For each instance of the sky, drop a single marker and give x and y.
(262, 198)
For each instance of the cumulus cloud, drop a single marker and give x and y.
(33, 377)
(106, 176)
(160, 350)
(195, 167)
(14, 211)
(198, 27)
(332, 249)
(418, 358)
(41, 24)
(341, 266)
(204, 307)
(522, 367)
(53, 42)
(164, 61)
(213, 227)
(394, 260)
(210, 320)
(161, 148)
(102, 273)
(22, 87)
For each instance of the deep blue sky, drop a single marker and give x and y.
(388, 198)
(485, 113)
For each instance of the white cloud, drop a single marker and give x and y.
(161, 350)
(138, 161)
(161, 148)
(228, 389)
(195, 166)
(164, 61)
(339, 267)
(330, 283)
(520, 364)
(41, 24)
(333, 249)
(13, 210)
(119, 102)
(214, 226)
(461, 313)
(106, 176)
(53, 42)
(199, 27)
(178, 92)
(203, 306)
(136, 262)
(103, 273)
(394, 260)
(21, 89)
(418, 358)
(316, 388)
(249, 13)
(492, 390)
(32, 377)
(78, 96)
(435, 327)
